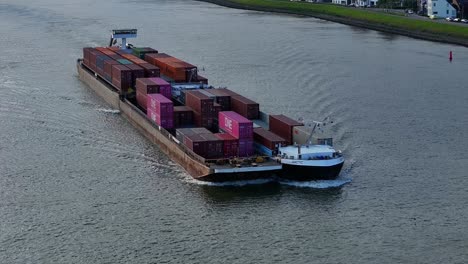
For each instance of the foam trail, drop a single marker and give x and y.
(322, 184)
(110, 111)
(233, 183)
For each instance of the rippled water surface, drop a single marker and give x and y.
(78, 184)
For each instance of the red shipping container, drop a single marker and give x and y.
(183, 116)
(121, 77)
(116, 57)
(137, 72)
(108, 69)
(203, 120)
(163, 121)
(245, 107)
(199, 102)
(86, 56)
(160, 104)
(146, 86)
(205, 145)
(92, 55)
(150, 70)
(113, 48)
(236, 125)
(221, 97)
(283, 126)
(231, 145)
(141, 100)
(202, 79)
(268, 138)
(105, 50)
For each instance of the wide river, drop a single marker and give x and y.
(78, 184)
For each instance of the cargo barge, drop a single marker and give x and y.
(214, 134)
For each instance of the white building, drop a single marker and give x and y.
(440, 8)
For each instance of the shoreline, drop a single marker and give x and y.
(351, 22)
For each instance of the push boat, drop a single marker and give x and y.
(285, 158)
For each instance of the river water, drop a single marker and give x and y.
(78, 184)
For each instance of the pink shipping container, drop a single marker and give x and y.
(236, 125)
(161, 105)
(246, 147)
(163, 121)
(165, 88)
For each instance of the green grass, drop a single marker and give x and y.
(401, 22)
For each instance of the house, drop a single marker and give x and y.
(440, 8)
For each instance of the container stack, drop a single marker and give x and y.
(204, 112)
(220, 97)
(149, 69)
(240, 104)
(110, 64)
(283, 127)
(231, 145)
(201, 141)
(161, 110)
(239, 127)
(268, 138)
(183, 116)
(140, 52)
(176, 69)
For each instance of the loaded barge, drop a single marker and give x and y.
(214, 134)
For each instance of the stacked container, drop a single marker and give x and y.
(240, 104)
(283, 126)
(239, 127)
(178, 70)
(221, 97)
(141, 52)
(183, 116)
(231, 145)
(268, 138)
(204, 112)
(164, 87)
(149, 69)
(121, 77)
(202, 142)
(160, 109)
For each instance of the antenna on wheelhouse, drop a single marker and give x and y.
(122, 34)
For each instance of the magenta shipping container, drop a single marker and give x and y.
(160, 104)
(163, 121)
(235, 124)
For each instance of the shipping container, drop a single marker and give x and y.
(198, 102)
(163, 121)
(116, 57)
(92, 55)
(141, 51)
(202, 142)
(121, 77)
(146, 86)
(246, 147)
(205, 120)
(108, 69)
(183, 116)
(165, 88)
(172, 67)
(221, 98)
(137, 72)
(124, 61)
(283, 126)
(86, 56)
(105, 50)
(235, 124)
(245, 107)
(268, 138)
(123, 51)
(160, 104)
(113, 48)
(201, 79)
(141, 100)
(150, 70)
(231, 145)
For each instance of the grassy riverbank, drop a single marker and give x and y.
(430, 30)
